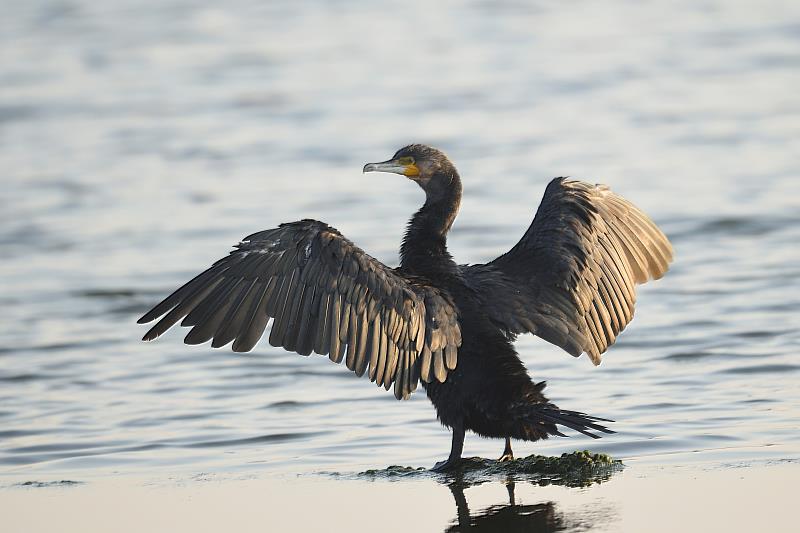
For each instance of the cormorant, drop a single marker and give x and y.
(569, 280)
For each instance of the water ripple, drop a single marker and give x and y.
(135, 154)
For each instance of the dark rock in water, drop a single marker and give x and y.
(575, 469)
(395, 471)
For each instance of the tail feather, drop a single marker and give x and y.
(580, 422)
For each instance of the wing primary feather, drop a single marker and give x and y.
(387, 350)
(607, 337)
(205, 330)
(322, 337)
(410, 386)
(352, 341)
(249, 337)
(438, 366)
(210, 303)
(229, 327)
(425, 365)
(632, 253)
(344, 322)
(198, 282)
(615, 295)
(624, 276)
(649, 235)
(375, 346)
(604, 301)
(281, 322)
(296, 303)
(399, 381)
(336, 321)
(274, 293)
(646, 247)
(179, 311)
(450, 353)
(392, 366)
(361, 354)
(413, 371)
(326, 338)
(373, 349)
(595, 327)
(305, 332)
(418, 330)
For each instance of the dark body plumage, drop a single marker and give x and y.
(569, 280)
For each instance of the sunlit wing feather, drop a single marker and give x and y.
(571, 278)
(324, 295)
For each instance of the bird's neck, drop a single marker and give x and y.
(424, 246)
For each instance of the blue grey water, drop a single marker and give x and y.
(140, 139)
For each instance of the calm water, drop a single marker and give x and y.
(139, 140)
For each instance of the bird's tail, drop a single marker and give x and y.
(534, 417)
(551, 416)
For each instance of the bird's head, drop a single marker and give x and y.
(427, 166)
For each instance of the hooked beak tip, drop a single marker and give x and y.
(386, 166)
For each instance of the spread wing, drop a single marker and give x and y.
(325, 295)
(570, 279)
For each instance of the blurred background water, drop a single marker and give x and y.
(139, 140)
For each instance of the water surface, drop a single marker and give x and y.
(140, 140)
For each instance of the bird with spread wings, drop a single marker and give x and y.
(569, 280)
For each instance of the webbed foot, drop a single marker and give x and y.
(508, 454)
(444, 466)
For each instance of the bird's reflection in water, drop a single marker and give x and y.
(508, 518)
(579, 469)
(517, 517)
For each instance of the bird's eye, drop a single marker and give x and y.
(406, 160)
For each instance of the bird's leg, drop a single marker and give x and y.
(508, 455)
(462, 508)
(455, 450)
(510, 488)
